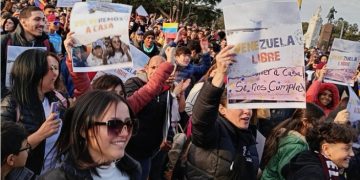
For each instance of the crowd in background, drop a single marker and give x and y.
(110, 129)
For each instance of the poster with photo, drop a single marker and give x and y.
(101, 36)
(269, 68)
(343, 62)
(12, 53)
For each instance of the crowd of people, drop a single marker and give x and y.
(109, 129)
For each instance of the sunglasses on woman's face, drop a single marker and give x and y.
(115, 126)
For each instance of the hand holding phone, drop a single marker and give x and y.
(55, 109)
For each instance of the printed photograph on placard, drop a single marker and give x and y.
(101, 36)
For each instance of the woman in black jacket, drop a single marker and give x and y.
(92, 143)
(221, 142)
(34, 75)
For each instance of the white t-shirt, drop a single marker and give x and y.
(110, 172)
(49, 161)
(94, 61)
(117, 58)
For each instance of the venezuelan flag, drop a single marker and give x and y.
(40, 3)
(170, 29)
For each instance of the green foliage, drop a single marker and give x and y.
(350, 31)
(202, 12)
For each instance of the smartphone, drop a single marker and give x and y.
(54, 108)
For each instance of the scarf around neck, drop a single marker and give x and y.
(330, 169)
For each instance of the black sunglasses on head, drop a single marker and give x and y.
(115, 126)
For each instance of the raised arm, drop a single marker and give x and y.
(205, 59)
(206, 106)
(153, 87)
(81, 80)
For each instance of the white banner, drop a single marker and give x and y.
(141, 11)
(353, 106)
(269, 72)
(101, 36)
(12, 53)
(343, 62)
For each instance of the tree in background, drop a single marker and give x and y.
(202, 12)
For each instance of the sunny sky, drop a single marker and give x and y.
(347, 9)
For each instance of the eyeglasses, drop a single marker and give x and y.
(56, 23)
(27, 148)
(115, 126)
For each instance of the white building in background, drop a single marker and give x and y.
(313, 32)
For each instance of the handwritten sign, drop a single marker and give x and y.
(343, 62)
(269, 72)
(103, 29)
(141, 11)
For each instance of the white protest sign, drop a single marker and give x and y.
(343, 62)
(353, 106)
(101, 36)
(108, 1)
(269, 55)
(12, 53)
(141, 11)
(140, 58)
(66, 3)
(123, 73)
(260, 143)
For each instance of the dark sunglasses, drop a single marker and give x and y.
(56, 23)
(27, 148)
(115, 126)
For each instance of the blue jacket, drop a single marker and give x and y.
(186, 72)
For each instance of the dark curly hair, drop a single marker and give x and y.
(329, 133)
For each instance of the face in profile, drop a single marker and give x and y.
(19, 159)
(239, 117)
(339, 153)
(112, 133)
(48, 81)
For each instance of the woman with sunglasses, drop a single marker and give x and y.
(92, 143)
(14, 152)
(33, 80)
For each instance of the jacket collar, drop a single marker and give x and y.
(239, 136)
(125, 164)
